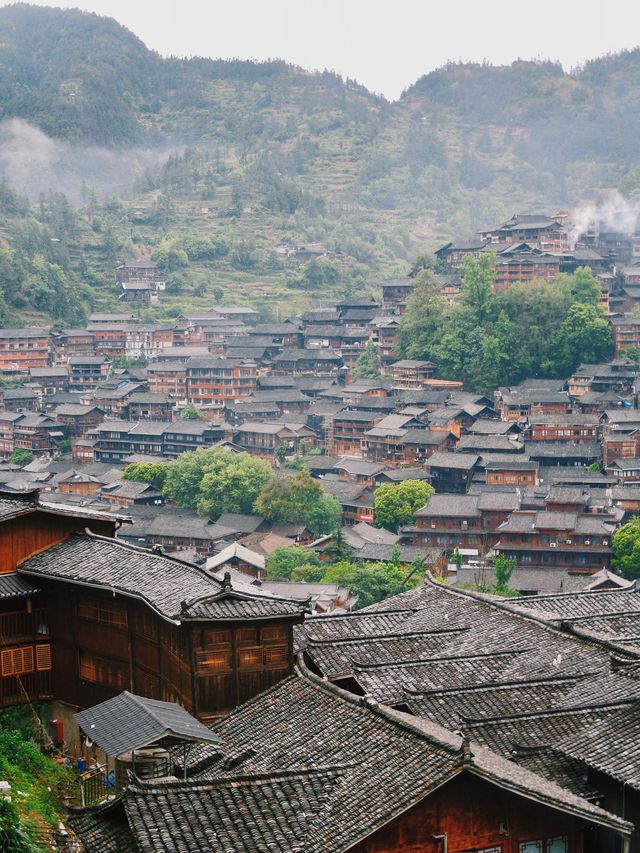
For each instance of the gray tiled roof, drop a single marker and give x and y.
(476, 664)
(176, 590)
(374, 764)
(127, 722)
(13, 585)
(104, 828)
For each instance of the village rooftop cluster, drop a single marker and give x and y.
(227, 711)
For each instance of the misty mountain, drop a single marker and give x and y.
(254, 154)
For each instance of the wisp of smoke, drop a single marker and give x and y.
(613, 213)
(34, 163)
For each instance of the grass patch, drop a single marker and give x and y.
(38, 784)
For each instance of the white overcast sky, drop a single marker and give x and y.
(384, 44)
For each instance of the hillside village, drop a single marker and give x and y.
(543, 472)
(380, 556)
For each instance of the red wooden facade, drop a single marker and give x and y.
(469, 815)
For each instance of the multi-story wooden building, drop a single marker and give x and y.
(511, 470)
(7, 442)
(395, 294)
(37, 433)
(574, 428)
(537, 230)
(71, 342)
(549, 539)
(88, 371)
(145, 405)
(137, 271)
(347, 431)
(405, 447)
(215, 382)
(305, 362)
(461, 521)
(626, 332)
(78, 419)
(411, 373)
(168, 377)
(51, 380)
(385, 334)
(264, 439)
(110, 339)
(85, 616)
(454, 254)
(21, 349)
(116, 440)
(533, 399)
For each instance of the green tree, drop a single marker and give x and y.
(370, 582)
(282, 562)
(321, 271)
(300, 500)
(147, 472)
(233, 486)
(308, 573)
(632, 356)
(21, 457)
(503, 568)
(323, 516)
(288, 498)
(396, 504)
(368, 364)
(424, 317)
(339, 551)
(479, 274)
(584, 336)
(184, 476)
(191, 413)
(626, 549)
(215, 481)
(585, 287)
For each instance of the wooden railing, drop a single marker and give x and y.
(22, 625)
(96, 785)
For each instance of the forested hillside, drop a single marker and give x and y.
(209, 166)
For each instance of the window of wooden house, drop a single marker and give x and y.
(247, 636)
(216, 638)
(560, 844)
(101, 671)
(43, 657)
(274, 655)
(106, 613)
(17, 661)
(274, 632)
(214, 660)
(250, 658)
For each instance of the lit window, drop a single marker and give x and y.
(250, 657)
(213, 661)
(275, 655)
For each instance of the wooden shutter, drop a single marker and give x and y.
(17, 661)
(43, 657)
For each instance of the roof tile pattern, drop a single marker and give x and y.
(176, 590)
